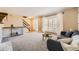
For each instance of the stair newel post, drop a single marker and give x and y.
(11, 29)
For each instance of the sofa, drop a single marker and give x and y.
(67, 33)
(73, 46)
(69, 43)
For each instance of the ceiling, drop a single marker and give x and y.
(31, 11)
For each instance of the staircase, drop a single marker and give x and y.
(26, 25)
(2, 15)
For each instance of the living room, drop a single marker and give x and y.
(29, 30)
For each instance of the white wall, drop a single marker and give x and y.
(45, 26)
(78, 18)
(0, 34)
(1, 25)
(60, 22)
(36, 23)
(13, 19)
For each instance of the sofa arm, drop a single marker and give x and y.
(66, 40)
(67, 47)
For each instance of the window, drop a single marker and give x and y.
(50, 24)
(53, 23)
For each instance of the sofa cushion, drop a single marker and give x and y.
(63, 33)
(66, 40)
(75, 41)
(75, 33)
(68, 34)
(53, 45)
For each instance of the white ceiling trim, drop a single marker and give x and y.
(31, 11)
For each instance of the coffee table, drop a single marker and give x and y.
(48, 35)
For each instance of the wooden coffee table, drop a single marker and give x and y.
(48, 35)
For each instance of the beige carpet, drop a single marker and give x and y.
(29, 42)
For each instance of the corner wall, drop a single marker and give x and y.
(70, 20)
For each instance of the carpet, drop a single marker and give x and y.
(28, 42)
